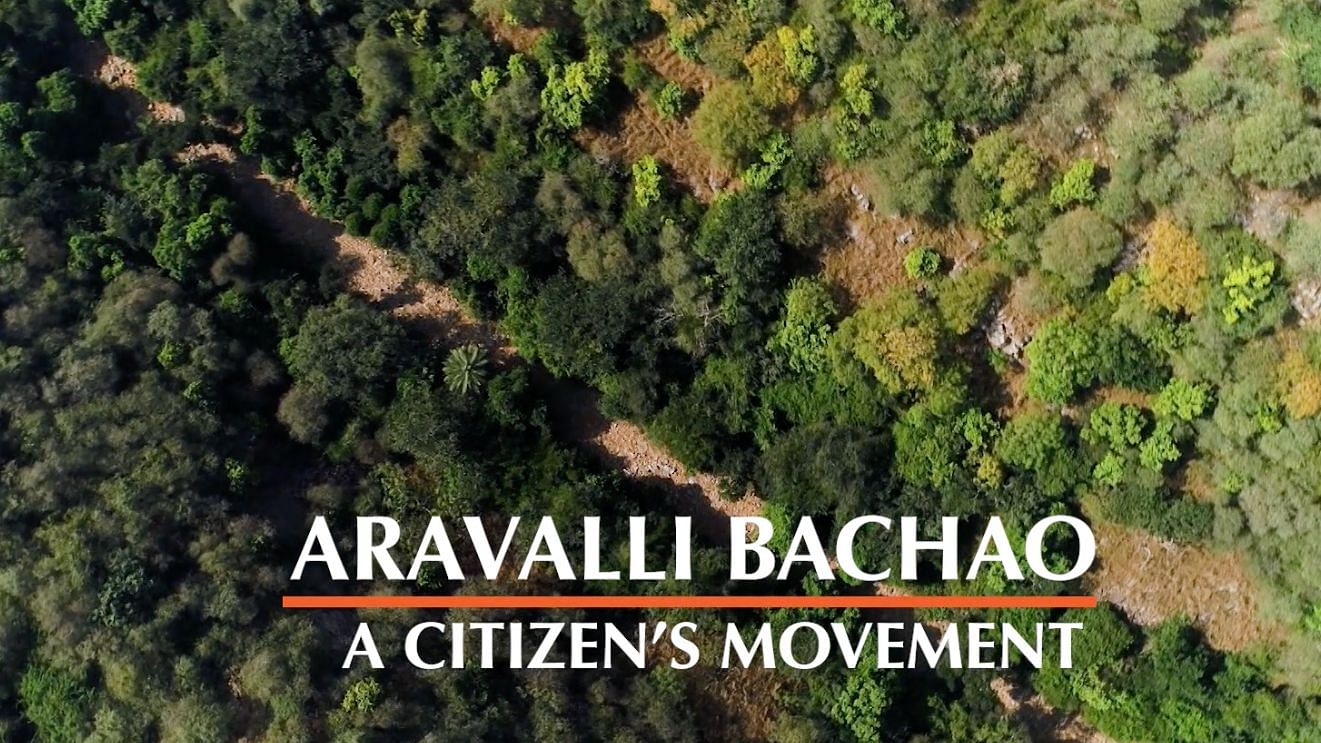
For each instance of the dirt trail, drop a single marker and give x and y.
(1047, 724)
(369, 271)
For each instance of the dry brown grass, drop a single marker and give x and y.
(660, 55)
(641, 130)
(744, 700)
(1044, 722)
(521, 38)
(870, 258)
(1152, 580)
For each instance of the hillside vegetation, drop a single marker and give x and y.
(922, 258)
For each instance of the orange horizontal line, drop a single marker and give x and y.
(689, 602)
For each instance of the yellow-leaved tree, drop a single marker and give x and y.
(1175, 268)
(773, 83)
(1299, 383)
(897, 338)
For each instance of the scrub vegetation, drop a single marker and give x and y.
(1121, 319)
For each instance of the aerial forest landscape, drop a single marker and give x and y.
(268, 260)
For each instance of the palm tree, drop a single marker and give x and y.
(465, 369)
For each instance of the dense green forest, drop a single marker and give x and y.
(180, 391)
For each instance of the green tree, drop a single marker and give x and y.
(1182, 399)
(191, 221)
(361, 696)
(1077, 244)
(1274, 145)
(1013, 168)
(1061, 359)
(897, 338)
(383, 75)
(618, 21)
(56, 704)
(1075, 185)
(94, 16)
(60, 92)
(941, 142)
(1247, 285)
(1159, 447)
(800, 53)
(646, 181)
(730, 124)
(853, 117)
(1116, 425)
(861, 705)
(671, 100)
(574, 91)
(804, 331)
(485, 85)
(1302, 23)
(465, 369)
(770, 79)
(1038, 444)
(1071, 352)
(823, 470)
(345, 351)
(737, 237)
(883, 15)
(1111, 469)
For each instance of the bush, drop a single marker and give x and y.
(1075, 185)
(671, 100)
(646, 181)
(921, 263)
(1078, 244)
